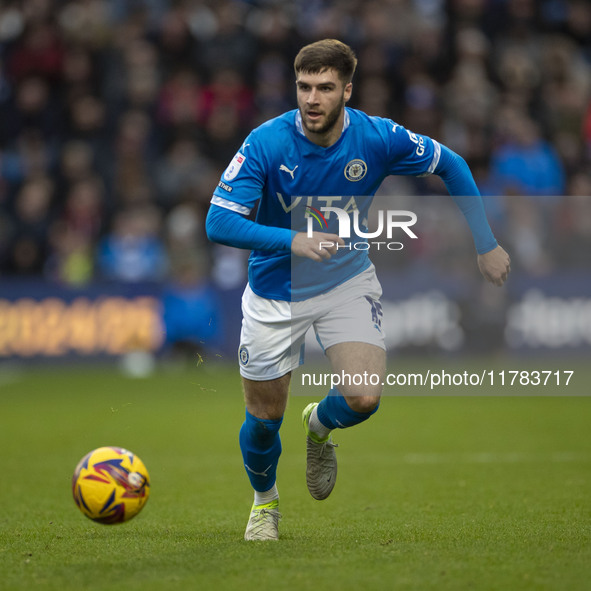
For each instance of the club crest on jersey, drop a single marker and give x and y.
(234, 166)
(355, 170)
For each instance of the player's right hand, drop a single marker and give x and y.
(318, 247)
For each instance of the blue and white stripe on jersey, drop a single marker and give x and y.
(435, 161)
(231, 205)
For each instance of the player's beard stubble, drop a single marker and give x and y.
(329, 122)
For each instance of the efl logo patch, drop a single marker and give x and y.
(234, 166)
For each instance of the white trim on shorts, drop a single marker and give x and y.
(273, 331)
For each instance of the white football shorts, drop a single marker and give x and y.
(273, 331)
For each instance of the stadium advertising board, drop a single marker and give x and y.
(56, 322)
(538, 315)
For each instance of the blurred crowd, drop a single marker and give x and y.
(117, 118)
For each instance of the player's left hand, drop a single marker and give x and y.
(495, 265)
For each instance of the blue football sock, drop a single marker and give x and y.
(261, 447)
(334, 412)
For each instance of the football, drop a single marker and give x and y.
(110, 485)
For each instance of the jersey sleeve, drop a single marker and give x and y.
(228, 227)
(459, 181)
(419, 155)
(241, 184)
(410, 153)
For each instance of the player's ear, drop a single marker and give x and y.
(348, 91)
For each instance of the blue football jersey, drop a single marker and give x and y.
(286, 175)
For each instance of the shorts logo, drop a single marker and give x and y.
(355, 170)
(376, 313)
(234, 167)
(243, 355)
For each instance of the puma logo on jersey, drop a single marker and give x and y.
(285, 169)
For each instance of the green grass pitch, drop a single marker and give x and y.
(434, 493)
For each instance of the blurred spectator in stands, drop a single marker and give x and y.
(470, 97)
(524, 163)
(90, 131)
(28, 156)
(73, 235)
(135, 159)
(587, 132)
(12, 23)
(573, 225)
(273, 27)
(374, 97)
(28, 249)
(571, 18)
(6, 228)
(229, 267)
(83, 211)
(133, 251)
(174, 39)
(132, 77)
(228, 92)
(273, 90)
(191, 312)
(32, 107)
(518, 71)
(421, 104)
(317, 20)
(232, 45)
(87, 123)
(181, 170)
(142, 77)
(526, 233)
(565, 94)
(5, 92)
(71, 261)
(39, 51)
(88, 23)
(86, 118)
(180, 102)
(80, 75)
(227, 112)
(184, 234)
(223, 134)
(76, 162)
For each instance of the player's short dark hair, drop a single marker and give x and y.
(328, 54)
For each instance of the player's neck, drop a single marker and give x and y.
(329, 137)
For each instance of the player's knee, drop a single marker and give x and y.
(364, 404)
(259, 432)
(267, 412)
